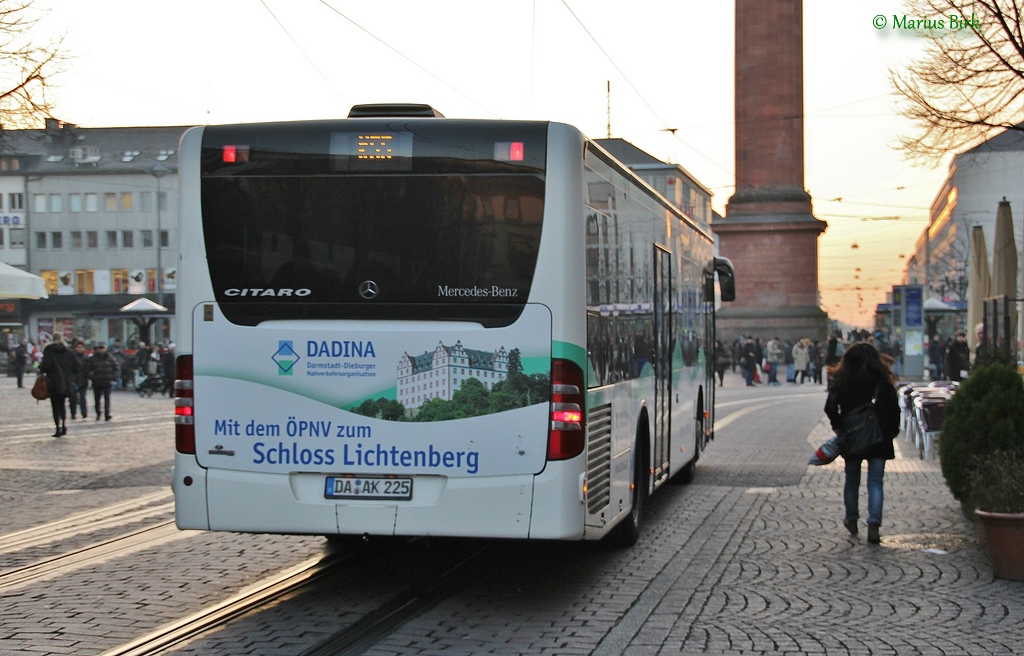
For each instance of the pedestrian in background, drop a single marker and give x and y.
(81, 381)
(748, 360)
(979, 347)
(958, 358)
(817, 361)
(102, 370)
(787, 353)
(775, 359)
(117, 352)
(853, 382)
(758, 359)
(936, 357)
(722, 361)
(801, 360)
(20, 360)
(60, 365)
(167, 369)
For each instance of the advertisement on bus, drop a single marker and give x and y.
(337, 398)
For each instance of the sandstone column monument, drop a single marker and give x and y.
(769, 231)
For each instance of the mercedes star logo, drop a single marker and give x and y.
(368, 289)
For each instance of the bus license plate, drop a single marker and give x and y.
(368, 487)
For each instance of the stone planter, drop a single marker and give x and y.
(1004, 533)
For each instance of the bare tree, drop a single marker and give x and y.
(27, 66)
(969, 83)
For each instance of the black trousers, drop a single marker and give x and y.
(60, 416)
(101, 394)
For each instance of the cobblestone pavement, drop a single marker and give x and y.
(753, 559)
(749, 559)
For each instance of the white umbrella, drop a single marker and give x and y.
(979, 282)
(139, 311)
(15, 283)
(1004, 265)
(143, 306)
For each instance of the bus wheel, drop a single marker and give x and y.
(685, 475)
(627, 532)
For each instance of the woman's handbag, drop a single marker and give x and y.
(40, 391)
(860, 428)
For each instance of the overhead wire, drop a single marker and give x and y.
(643, 99)
(411, 60)
(299, 46)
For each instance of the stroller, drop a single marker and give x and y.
(148, 378)
(146, 385)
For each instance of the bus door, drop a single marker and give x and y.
(727, 281)
(662, 358)
(710, 355)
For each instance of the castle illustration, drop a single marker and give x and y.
(440, 374)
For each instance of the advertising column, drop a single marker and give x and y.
(911, 329)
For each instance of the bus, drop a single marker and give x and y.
(400, 324)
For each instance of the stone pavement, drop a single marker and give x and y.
(777, 573)
(752, 558)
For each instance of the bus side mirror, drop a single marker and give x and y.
(726, 279)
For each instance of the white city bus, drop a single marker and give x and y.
(402, 324)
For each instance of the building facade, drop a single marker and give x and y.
(94, 212)
(672, 181)
(977, 180)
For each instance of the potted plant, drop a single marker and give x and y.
(981, 446)
(985, 415)
(996, 483)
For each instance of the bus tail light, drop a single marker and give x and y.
(235, 154)
(184, 428)
(566, 437)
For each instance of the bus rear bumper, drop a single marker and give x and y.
(496, 507)
(188, 482)
(547, 506)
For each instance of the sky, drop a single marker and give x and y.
(669, 64)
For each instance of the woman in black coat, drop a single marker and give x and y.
(852, 384)
(61, 365)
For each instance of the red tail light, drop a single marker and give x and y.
(184, 429)
(566, 438)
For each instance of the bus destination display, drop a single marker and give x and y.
(372, 151)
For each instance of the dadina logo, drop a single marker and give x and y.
(285, 358)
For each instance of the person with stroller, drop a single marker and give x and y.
(102, 370)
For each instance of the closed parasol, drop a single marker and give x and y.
(1004, 263)
(979, 282)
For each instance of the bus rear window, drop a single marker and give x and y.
(415, 239)
(354, 216)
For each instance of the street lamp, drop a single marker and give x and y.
(158, 172)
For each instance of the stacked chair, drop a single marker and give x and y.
(923, 408)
